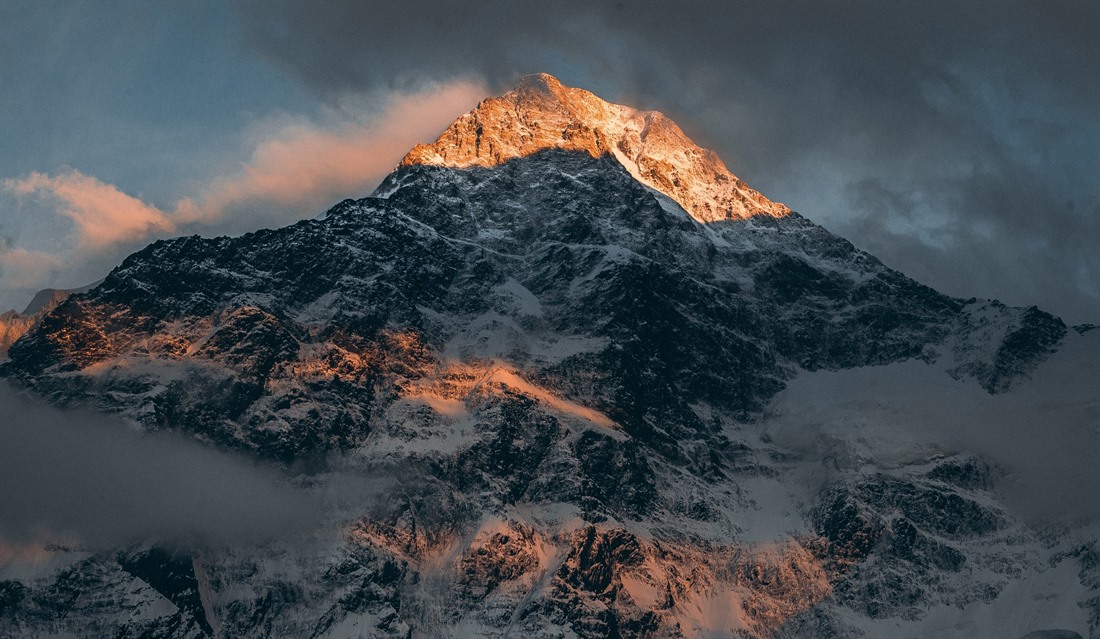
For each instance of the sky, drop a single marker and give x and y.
(957, 141)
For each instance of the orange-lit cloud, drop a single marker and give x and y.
(104, 216)
(295, 170)
(308, 165)
(21, 268)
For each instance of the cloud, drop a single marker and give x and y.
(1043, 434)
(1004, 239)
(21, 268)
(297, 168)
(103, 215)
(78, 474)
(301, 166)
(95, 481)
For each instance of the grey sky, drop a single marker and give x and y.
(955, 140)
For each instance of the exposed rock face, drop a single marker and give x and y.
(14, 325)
(563, 355)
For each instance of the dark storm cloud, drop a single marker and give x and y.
(977, 117)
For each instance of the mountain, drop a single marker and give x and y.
(14, 324)
(622, 394)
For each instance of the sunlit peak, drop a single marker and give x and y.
(541, 114)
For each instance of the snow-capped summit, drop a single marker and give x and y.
(540, 113)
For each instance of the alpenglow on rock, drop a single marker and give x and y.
(541, 114)
(592, 385)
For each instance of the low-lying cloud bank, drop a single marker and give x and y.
(98, 482)
(1044, 434)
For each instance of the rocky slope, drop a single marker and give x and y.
(14, 324)
(563, 326)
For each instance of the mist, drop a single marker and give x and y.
(97, 481)
(1043, 436)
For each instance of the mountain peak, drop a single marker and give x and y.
(539, 82)
(541, 113)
